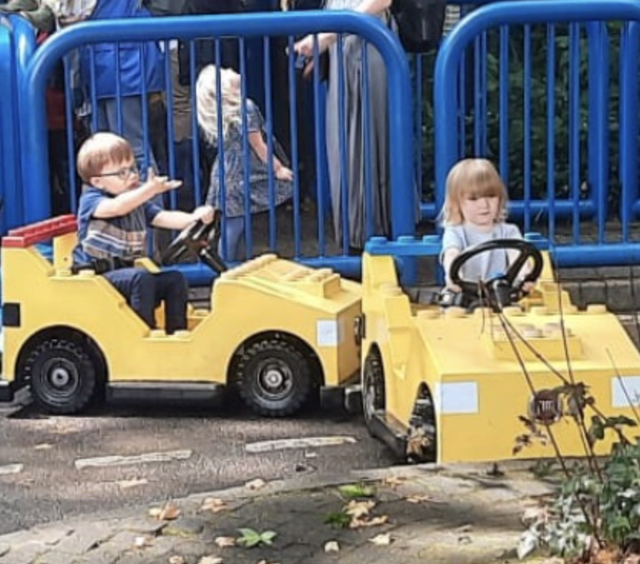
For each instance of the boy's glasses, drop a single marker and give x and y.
(123, 173)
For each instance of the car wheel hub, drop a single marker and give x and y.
(275, 379)
(61, 375)
(369, 398)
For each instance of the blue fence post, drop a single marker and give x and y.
(10, 154)
(628, 119)
(598, 137)
(25, 47)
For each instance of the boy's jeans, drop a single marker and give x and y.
(145, 290)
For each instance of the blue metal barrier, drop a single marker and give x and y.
(11, 156)
(473, 68)
(24, 48)
(249, 25)
(575, 252)
(628, 118)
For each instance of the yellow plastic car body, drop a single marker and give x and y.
(278, 331)
(449, 385)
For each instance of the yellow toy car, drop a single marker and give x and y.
(456, 384)
(277, 331)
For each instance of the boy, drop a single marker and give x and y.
(114, 214)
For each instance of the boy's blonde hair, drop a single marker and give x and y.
(100, 150)
(472, 178)
(206, 93)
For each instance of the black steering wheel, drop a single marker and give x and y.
(198, 240)
(504, 289)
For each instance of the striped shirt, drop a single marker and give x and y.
(124, 237)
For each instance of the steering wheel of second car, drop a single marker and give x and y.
(505, 288)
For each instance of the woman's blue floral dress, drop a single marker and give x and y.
(234, 177)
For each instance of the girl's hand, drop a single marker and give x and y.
(451, 286)
(528, 286)
(284, 173)
(203, 213)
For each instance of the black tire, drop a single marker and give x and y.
(273, 377)
(62, 375)
(373, 390)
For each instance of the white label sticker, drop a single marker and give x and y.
(327, 330)
(457, 397)
(624, 390)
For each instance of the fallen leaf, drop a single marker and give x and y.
(359, 509)
(355, 491)
(266, 562)
(308, 454)
(142, 542)
(332, 546)
(422, 499)
(169, 513)
(607, 556)
(125, 484)
(210, 560)
(375, 521)
(213, 504)
(43, 446)
(363, 523)
(177, 560)
(381, 540)
(250, 537)
(224, 542)
(255, 484)
(394, 481)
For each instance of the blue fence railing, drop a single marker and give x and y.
(10, 153)
(606, 242)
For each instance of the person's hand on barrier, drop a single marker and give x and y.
(284, 173)
(305, 45)
(204, 214)
(161, 184)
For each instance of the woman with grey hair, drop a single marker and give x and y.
(353, 116)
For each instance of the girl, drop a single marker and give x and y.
(475, 209)
(234, 164)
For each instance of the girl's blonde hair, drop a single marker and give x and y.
(207, 98)
(469, 179)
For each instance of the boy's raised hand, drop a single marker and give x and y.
(161, 184)
(203, 213)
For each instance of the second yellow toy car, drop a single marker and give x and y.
(456, 384)
(277, 331)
